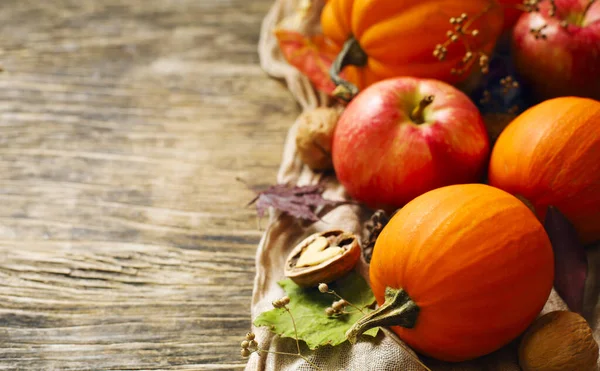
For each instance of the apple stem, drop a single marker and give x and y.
(417, 113)
(587, 8)
(351, 55)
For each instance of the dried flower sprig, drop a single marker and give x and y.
(508, 84)
(249, 345)
(462, 32)
(531, 6)
(537, 32)
(338, 307)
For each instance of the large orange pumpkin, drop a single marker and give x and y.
(459, 272)
(550, 155)
(379, 39)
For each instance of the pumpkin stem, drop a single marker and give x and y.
(417, 113)
(397, 310)
(351, 55)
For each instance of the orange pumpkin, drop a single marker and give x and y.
(379, 39)
(459, 272)
(550, 155)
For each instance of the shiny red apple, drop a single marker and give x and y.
(559, 55)
(402, 137)
(511, 12)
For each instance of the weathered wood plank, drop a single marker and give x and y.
(121, 305)
(125, 242)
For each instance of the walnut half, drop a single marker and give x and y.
(322, 258)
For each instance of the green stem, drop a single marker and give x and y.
(295, 330)
(351, 55)
(397, 310)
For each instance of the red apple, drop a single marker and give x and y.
(511, 12)
(565, 59)
(402, 137)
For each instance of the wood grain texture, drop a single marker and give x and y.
(125, 242)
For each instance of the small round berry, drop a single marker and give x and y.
(245, 344)
(285, 300)
(329, 311)
(245, 353)
(323, 287)
(277, 303)
(337, 306)
(250, 336)
(253, 344)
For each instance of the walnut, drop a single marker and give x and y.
(559, 341)
(322, 258)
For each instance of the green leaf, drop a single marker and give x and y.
(308, 305)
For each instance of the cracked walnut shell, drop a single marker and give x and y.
(322, 258)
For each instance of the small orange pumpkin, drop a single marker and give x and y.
(459, 272)
(550, 155)
(381, 39)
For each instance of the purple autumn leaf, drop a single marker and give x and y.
(297, 201)
(570, 260)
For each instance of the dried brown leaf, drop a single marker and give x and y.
(297, 201)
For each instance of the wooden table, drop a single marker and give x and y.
(125, 240)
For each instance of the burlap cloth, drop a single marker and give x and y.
(283, 233)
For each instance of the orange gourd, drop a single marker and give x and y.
(550, 156)
(380, 39)
(459, 272)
